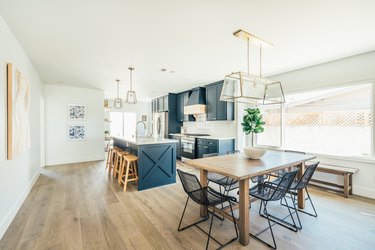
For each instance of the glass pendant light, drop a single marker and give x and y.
(248, 88)
(117, 103)
(131, 96)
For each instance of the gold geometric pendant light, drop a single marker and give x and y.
(131, 96)
(248, 88)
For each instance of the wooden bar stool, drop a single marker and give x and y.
(129, 171)
(119, 162)
(111, 154)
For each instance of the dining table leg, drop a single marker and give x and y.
(203, 181)
(301, 192)
(244, 218)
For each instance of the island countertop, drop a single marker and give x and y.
(145, 140)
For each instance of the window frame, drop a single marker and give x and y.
(369, 159)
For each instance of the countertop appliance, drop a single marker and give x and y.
(189, 146)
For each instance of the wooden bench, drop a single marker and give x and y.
(346, 172)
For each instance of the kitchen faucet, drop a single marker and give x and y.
(144, 128)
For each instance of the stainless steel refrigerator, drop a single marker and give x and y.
(160, 125)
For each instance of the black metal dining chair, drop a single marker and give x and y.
(207, 197)
(226, 182)
(281, 172)
(269, 191)
(302, 184)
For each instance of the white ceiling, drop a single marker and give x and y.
(90, 43)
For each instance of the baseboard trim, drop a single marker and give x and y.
(13, 212)
(75, 160)
(364, 191)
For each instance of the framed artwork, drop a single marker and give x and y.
(18, 106)
(76, 112)
(76, 132)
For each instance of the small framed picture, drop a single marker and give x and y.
(76, 132)
(117, 103)
(76, 112)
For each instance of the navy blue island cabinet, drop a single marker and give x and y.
(156, 160)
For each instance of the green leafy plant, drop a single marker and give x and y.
(252, 123)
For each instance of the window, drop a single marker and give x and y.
(272, 128)
(123, 124)
(334, 122)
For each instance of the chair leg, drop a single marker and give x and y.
(209, 232)
(194, 224)
(312, 204)
(315, 214)
(291, 226)
(296, 210)
(121, 174)
(126, 175)
(291, 216)
(269, 226)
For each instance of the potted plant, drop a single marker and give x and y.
(253, 124)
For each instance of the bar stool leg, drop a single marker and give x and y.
(126, 175)
(121, 174)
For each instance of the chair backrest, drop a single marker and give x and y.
(233, 152)
(210, 155)
(192, 187)
(306, 177)
(284, 185)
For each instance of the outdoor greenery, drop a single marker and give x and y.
(252, 123)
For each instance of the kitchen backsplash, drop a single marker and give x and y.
(214, 128)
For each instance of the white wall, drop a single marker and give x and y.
(17, 176)
(59, 150)
(356, 69)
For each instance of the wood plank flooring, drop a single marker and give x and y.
(78, 206)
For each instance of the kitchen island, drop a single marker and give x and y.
(156, 159)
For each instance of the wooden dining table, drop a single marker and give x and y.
(241, 168)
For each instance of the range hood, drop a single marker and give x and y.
(196, 103)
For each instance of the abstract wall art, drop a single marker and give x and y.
(76, 132)
(76, 112)
(18, 106)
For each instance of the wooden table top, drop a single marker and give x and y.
(238, 166)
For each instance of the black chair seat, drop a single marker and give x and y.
(267, 191)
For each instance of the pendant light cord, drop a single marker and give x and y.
(118, 87)
(260, 60)
(248, 56)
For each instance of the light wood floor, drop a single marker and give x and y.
(78, 206)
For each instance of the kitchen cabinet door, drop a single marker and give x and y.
(180, 107)
(160, 104)
(221, 108)
(165, 103)
(211, 103)
(201, 150)
(212, 150)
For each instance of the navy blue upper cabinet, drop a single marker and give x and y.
(162, 103)
(218, 110)
(182, 98)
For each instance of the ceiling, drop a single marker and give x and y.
(90, 43)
